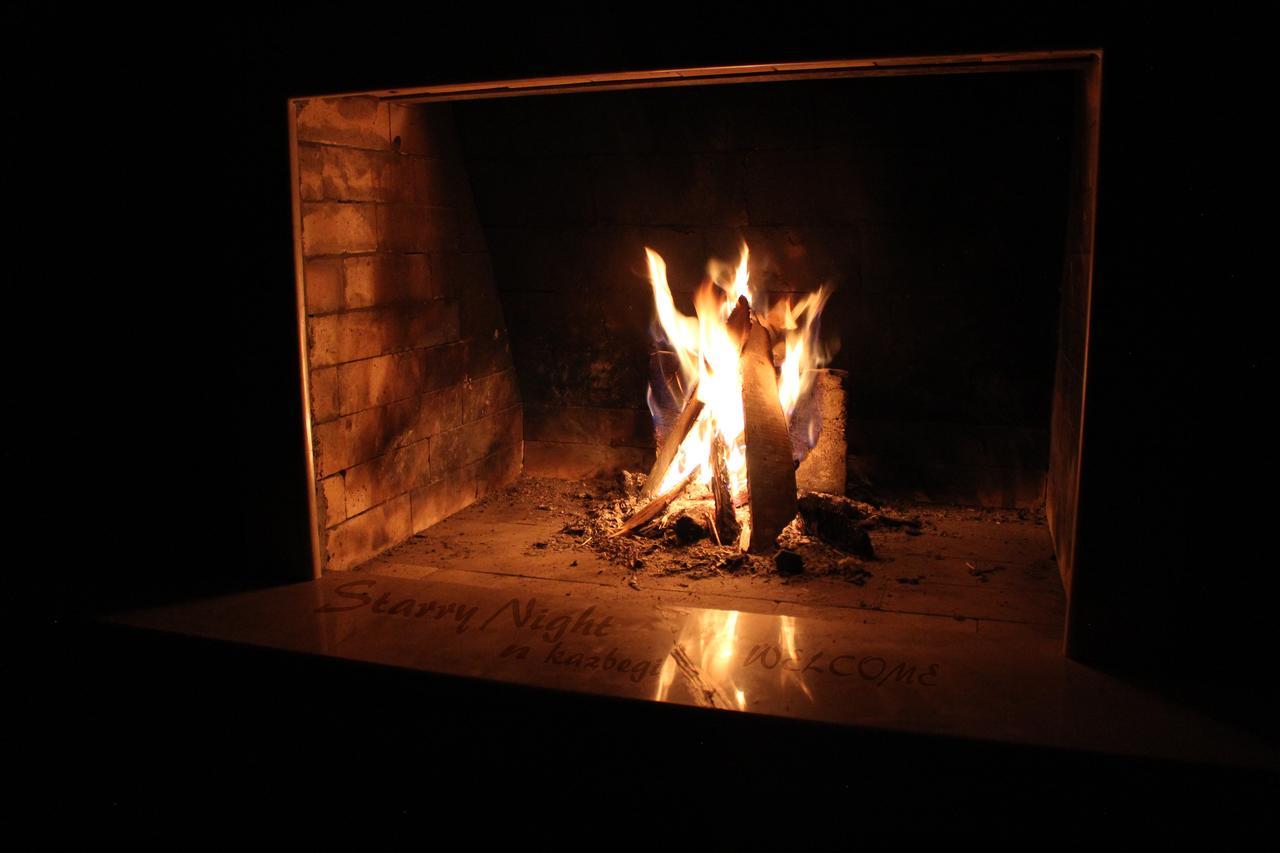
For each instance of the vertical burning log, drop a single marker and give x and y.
(725, 521)
(771, 475)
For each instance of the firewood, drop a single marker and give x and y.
(671, 443)
(771, 473)
(837, 521)
(819, 503)
(866, 516)
(825, 463)
(653, 508)
(725, 525)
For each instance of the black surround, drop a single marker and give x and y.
(1170, 493)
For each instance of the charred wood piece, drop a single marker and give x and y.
(725, 520)
(654, 508)
(671, 443)
(836, 521)
(788, 563)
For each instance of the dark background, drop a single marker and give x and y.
(155, 448)
(935, 206)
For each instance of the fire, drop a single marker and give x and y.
(709, 351)
(707, 654)
(713, 650)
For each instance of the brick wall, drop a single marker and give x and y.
(415, 407)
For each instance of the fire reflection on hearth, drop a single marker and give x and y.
(709, 655)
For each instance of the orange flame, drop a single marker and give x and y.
(709, 355)
(713, 648)
(708, 646)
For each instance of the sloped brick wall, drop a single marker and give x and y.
(414, 404)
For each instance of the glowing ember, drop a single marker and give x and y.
(709, 350)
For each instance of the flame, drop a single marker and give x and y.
(709, 355)
(709, 645)
(709, 655)
(787, 640)
(804, 350)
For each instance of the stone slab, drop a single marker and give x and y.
(1010, 685)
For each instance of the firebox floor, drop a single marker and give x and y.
(743, 648)
(979, 566)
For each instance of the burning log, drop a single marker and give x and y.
(771, 474)
(671, 443)
(724, 521)
(654, 508)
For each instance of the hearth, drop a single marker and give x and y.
(759, 339)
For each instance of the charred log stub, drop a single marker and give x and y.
(788, 563)
(771, 475)
(725, 520)
(824, 463)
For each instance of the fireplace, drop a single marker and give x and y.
(474, 329)
(483, 360)
(489, 375)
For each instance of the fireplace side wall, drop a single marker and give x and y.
(1073, 322)
(415, 409)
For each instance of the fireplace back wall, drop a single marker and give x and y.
(936, 205)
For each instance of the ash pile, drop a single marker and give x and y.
(679, 533)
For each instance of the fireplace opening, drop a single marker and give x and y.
(815, 342)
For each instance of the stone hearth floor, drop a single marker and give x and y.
(971, 679)
(948, 655)
(978, 568)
